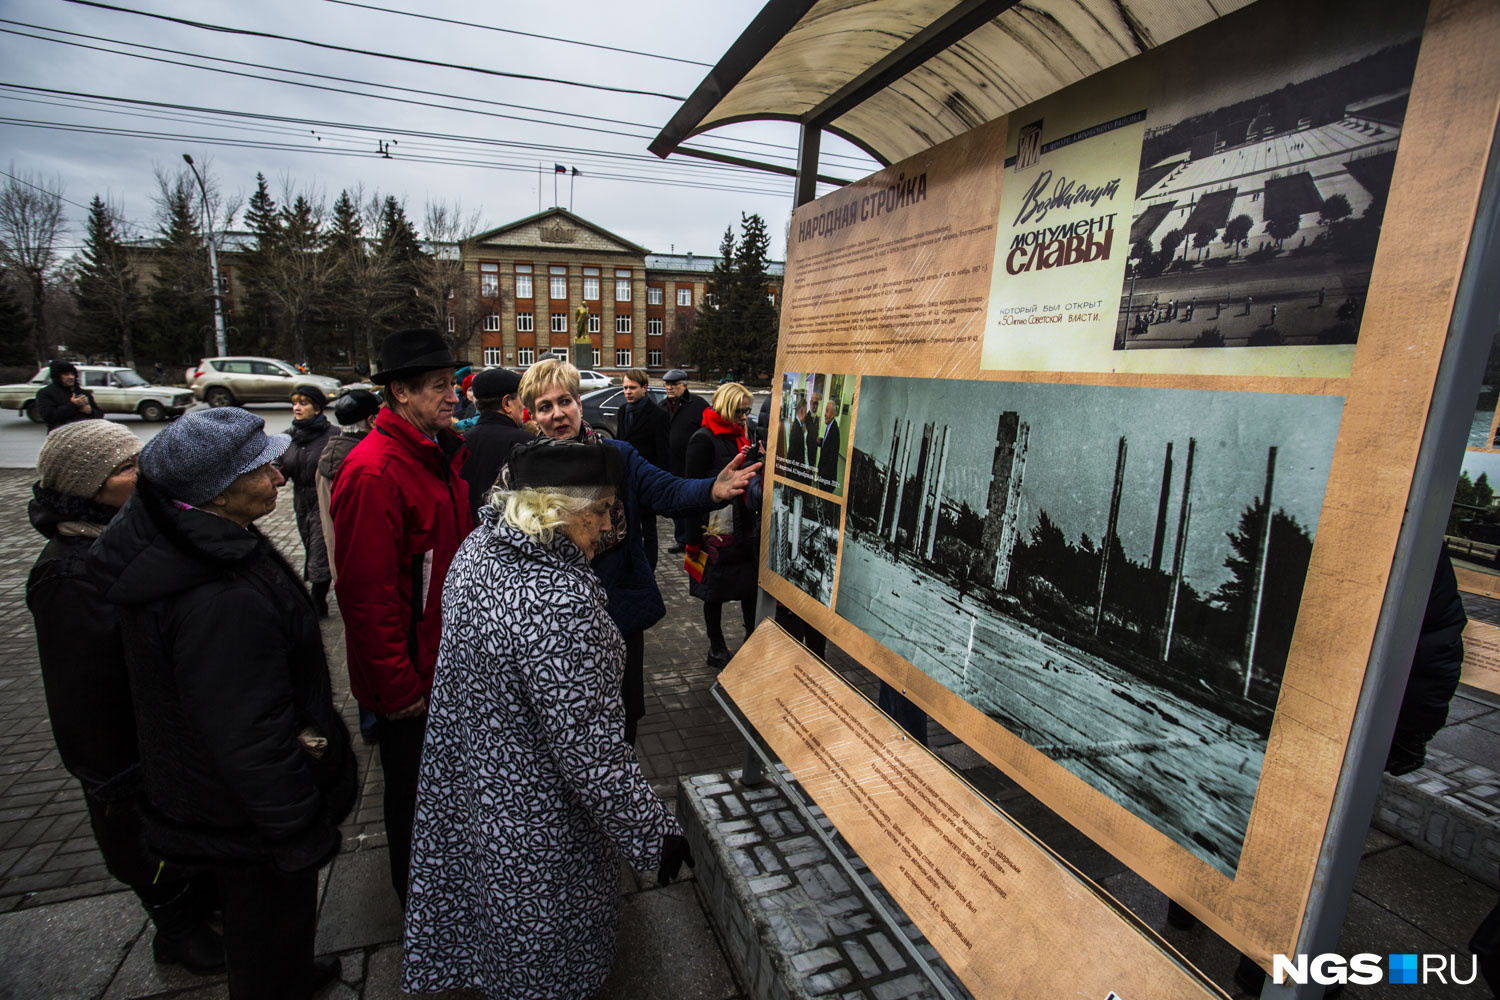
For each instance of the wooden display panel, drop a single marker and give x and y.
(893, 278)
(958, 868)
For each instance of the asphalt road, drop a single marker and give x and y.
(20, 439)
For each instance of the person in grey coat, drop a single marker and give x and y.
(530, 795)
(310, 433)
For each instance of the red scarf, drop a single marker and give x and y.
(719, 426)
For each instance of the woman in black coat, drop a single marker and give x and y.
(245, 762)
(723, 547)
(310, 432)
(87, 473)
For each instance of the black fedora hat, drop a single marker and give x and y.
(412, 352)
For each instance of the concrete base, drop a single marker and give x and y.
(792, 924)
(1448, 810)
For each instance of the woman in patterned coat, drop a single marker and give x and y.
(530, 796)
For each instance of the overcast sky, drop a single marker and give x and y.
(470, 155)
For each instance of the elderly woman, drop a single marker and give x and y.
(310, 433)
(549, 389)
(529, 793)
(245, 763)
(724, 548)
(87, 473)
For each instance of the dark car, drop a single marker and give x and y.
(601, 408)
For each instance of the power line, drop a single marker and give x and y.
(368, 52)
(525, 34)
(55, 194)
(788, 155)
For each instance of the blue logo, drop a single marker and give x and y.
(1402, 969)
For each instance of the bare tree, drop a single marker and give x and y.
(448, 291)
(30, 215)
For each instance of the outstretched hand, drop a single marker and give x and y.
(734, 480)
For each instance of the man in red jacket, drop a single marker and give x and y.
(400, 510)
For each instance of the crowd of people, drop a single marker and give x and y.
(495, 587)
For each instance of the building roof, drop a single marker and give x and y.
(697, 263)
(896, 77)
(561, 215)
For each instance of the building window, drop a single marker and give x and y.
(557, 281)
(492, 324)
(491, 356)
(597, 359)
(593, 322)
(622, 324)
(653, 326)
(771, 297)
(489, 281)
(452, 324)
(653, 295)
(591, 284)
(559, 322)
(622, 358)
(653, 359)
(523, 281)
(560, 353)
(710, 299)
(684, 296)
(622, 286)
(525, 356)
(524, 322)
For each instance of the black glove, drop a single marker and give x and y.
(674, 851)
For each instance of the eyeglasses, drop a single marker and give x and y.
(742, 412)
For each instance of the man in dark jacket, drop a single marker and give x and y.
(810, 431)
(1435, 669)
(550, 392)
(63, 400)
(796, 446)
(498, 430)
(245, 762)
(87, 473)
(828, 448)
(400, 510)
(684, 417)
(643, 426)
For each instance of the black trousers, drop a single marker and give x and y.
(633, 686)
(400, 742)
(648, 537)
(270, 919)
(713, 621)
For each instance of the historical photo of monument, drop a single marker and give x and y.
(804, 543)
(1095, 568)
(1264, 172)
(812, 445)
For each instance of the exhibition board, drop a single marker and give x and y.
(1120, 476)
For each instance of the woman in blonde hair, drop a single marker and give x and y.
(724, 547)
(530, 795)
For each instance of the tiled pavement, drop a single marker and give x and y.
(68, 930)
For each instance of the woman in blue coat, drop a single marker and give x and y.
(550, 390)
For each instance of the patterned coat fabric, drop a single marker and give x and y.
(529, 794)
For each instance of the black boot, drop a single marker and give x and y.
(182, 938)
(718, 657)
(320, 597)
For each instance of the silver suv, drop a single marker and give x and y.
(231, 381)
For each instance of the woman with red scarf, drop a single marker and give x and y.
(723, 548)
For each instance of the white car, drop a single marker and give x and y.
(588, 381)
(115, 389)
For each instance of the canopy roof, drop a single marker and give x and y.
(898, 76)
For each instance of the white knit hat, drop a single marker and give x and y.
(77, 458)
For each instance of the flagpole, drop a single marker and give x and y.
(554, 187)
(538, 189)
(571, 178)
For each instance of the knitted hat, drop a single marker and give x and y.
(200, 454)
(77, 458)
(313, 393)
(355, 405)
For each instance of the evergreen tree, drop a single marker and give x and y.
(109, 301)
(296, 276)
(261, 321)
(706, 348)
(1285, 572)
(180, 310)
(753, 339)
(361, 275)
(15, 325)
(398, 243)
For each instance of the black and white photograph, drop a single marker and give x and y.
(1094, 568)
(812, 445)
(804, 545)
(1264, 172)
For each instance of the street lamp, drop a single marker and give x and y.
(221, 338)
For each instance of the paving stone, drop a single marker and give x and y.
(360, 907)
(141, 976)
(667, 948)
(93, 933)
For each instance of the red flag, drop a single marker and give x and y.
(558, 168)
